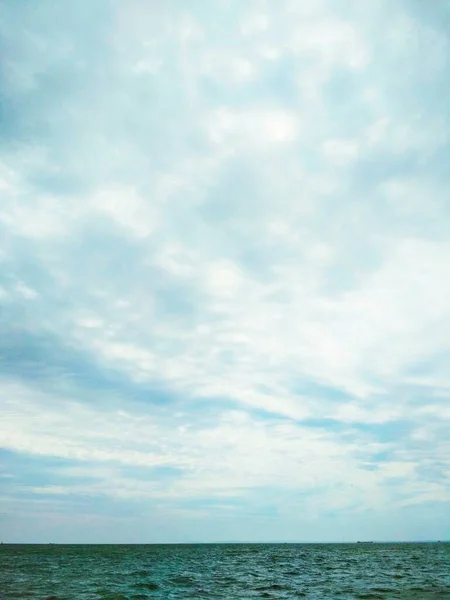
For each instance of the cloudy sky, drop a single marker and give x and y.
(225, 270)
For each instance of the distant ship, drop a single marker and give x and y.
(364, 542)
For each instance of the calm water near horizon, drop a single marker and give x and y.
(419, 571)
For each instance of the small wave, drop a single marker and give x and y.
(108, 595)
(272, 587)
(140, 573)
(202, 592)
(183, 580)
(143, 585)
(420, 593)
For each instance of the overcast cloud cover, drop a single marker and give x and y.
(225, 270)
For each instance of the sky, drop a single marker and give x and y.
(225, 270)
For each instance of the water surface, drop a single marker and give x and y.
(225, 571)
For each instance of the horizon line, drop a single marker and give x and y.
(215, 543)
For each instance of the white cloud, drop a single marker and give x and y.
(250, 129)
(128, 209)
(251, 215)
(341, 152)
(227, 459)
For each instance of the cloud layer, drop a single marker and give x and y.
(224, 270)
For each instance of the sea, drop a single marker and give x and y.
(419, 571)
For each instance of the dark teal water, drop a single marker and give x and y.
(222, 571)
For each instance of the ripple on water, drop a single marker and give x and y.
(105, 594)
(140, 573)
(425, 594)
(215, 572)
(183, 580)
(150, 586)
(272, 587)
